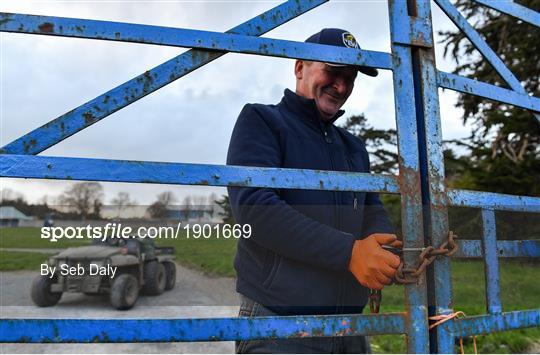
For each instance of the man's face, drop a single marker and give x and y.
(329, 86)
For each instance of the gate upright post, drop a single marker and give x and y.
(409, 176)
(434, 195)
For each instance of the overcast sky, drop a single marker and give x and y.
(190, 120)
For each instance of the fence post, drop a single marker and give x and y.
(409, 175)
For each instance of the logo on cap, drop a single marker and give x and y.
(349, 40)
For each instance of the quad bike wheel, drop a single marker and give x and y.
(154, 278)
(124, 291)
(170, 275)
(41, 291)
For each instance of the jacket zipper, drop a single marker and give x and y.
(340, 295)
(326, 137)
(355, 200)
(328, 140)
(337, 200)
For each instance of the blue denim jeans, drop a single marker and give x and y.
(326, 345)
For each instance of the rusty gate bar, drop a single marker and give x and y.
(206, 329)
(488, 91)
(179, 37)
(482, 47)
(45, 167)
(501, 202)
(480, 44)
(439, 291)
(513, 9)
(127, 93)
(505, 249)
(421, 173)
(409, 172)
(479, 325)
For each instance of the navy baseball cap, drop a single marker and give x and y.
(342, 38)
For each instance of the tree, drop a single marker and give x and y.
(159, 209)
(198, 205)
(7, 194)
(121, 201)
(381, 144)
(212, 204)
(44, 200)
(504, 143)
(199, 201)
(226, 212)
(85, 198)
(187, 205)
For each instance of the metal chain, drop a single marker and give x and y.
(375, 298)
(410, 276)
(426, 257)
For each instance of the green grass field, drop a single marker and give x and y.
(520, 288)
(213, 257)
(14, 260)
(29, 237)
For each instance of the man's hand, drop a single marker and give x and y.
(373, 266)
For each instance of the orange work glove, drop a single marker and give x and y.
(373, 266)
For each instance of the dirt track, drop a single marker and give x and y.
(195, 296)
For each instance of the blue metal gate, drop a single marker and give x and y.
(420, 181)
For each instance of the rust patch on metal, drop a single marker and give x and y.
(148, 80)
(46, 27)
(88, 118)
(240, 183)
(409, 183)
(440, 197)
(24, 339)
(343, 332)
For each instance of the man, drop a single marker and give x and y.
(311, 252)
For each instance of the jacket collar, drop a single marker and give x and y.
(305, 108)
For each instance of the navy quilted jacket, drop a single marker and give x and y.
(296, 261)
